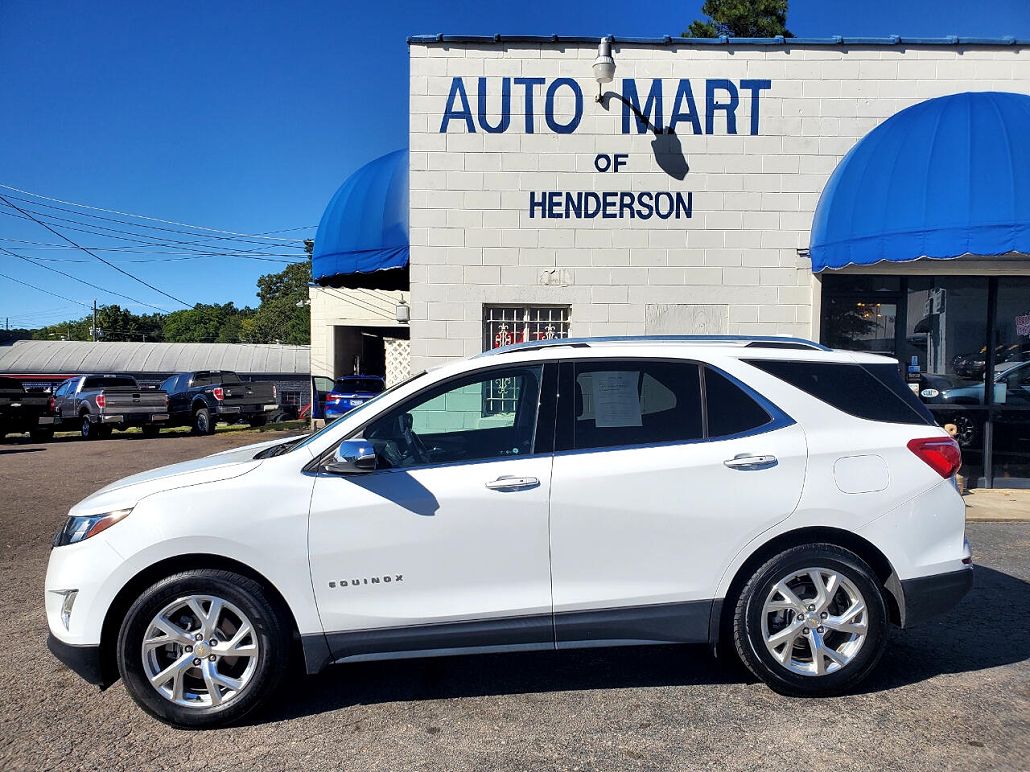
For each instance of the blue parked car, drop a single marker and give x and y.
(350, 391)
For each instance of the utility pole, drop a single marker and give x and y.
(94, 330)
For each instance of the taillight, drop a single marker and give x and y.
(218, 393)
(942, 454)
(332, 397)
(51, 405)
(275, 393)
(101, 401)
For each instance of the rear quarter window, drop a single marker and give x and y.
(730, 410)
(873, 392)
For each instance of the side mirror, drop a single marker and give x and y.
(352, 457)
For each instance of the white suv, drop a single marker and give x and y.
(766, 494)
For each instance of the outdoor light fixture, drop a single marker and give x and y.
(604, 65)
(403, 312)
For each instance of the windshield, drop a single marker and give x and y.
(300, 442)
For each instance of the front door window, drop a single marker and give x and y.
(462, 421)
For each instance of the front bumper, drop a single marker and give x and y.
(85, 661)
(930, 596)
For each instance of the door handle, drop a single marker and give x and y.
(746, 461)
(512, 483)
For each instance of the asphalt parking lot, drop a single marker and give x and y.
(951, 695)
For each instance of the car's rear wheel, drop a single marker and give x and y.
(87, 429)
(203, 421)
(811, 621)
(202, 648)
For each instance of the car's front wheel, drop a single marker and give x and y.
(202, 648)
(812, 621)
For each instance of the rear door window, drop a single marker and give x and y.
(631, 402)
(206, 378)
(874, 392)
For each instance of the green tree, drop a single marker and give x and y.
(283, 315)
(76, 329)
(204, 323)
(741, 19)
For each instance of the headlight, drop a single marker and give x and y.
(82, 527)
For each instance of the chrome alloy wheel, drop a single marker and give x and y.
(814, 621)
(200, 651)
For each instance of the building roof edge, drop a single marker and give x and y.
(671, 40)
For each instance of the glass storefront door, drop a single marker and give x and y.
(1010, 342)
(953, 336)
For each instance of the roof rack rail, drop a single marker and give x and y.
(749, 341)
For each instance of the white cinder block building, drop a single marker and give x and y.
(684, 200)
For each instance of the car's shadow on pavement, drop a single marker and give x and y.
(957, 643)
(982, 632)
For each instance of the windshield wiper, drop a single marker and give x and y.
(283, 447)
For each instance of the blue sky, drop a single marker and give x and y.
(245, 117)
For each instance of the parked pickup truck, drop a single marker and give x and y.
(97, 404)
(25, 411)
(200, 399)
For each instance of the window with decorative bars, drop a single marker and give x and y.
(504, 325)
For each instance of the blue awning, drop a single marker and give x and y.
(941, 179)
(362, 239)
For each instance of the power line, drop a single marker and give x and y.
(38, 246)
(272, 243)
(76, 278)
(185, 256)
(48, 292)
(136, 238)
(143, 217)
(98, 257)
(360, 304)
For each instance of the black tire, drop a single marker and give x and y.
(968, 427)
(151, 430)
(257, 421)
(273, 639)
(203, 421)
(41, 435)
(87, 430)
(749, 641)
